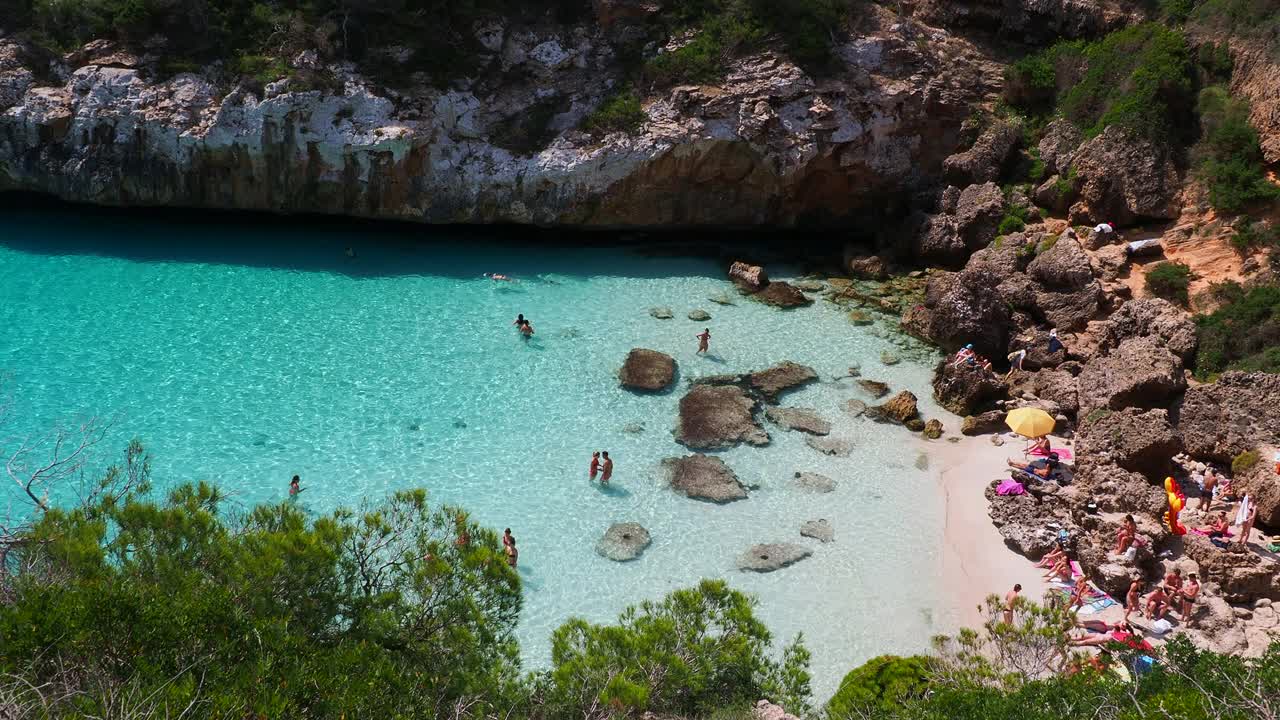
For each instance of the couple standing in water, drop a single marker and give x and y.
(524, 326)
(602, 466)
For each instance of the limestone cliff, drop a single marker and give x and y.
(769, 144)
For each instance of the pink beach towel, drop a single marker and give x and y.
(1063, 453)
(1076, 570)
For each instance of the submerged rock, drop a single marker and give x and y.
(815, 482)
(838, 447)
(874, 388)
(714, 417)
(855, 407)
(819, 530)
(900, 408)
(773, 382)
(801, 419)
(623, 542)
(773, 556)
(662, 313)
(647, 370)
(703, 477)
(699, 315)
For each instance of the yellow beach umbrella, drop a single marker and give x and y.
(1030, 422)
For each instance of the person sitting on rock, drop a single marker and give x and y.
(966, 354)
(1218, 527)
(1157, 604)
(1173, 583)
(1054, 343)
(1051, 558)
(1061, 570)
(1125, 535)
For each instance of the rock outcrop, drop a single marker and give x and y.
(1125, 179)
(965, 388)
(1135, 440)
(1262, 483)
(1239, 412)
(623, 542)
(1151, 317)
(703, 477)
(714, 417)
(900, 408)
(948, 238)
(1138, 373)
(1034, 20)
(647, 370)
(983, 162)
(767, 145)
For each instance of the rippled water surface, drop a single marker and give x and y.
(244, 354)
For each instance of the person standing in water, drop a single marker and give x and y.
(526, 330)
(595, 465)
(294, 487)
(520, 321)
(607, 469)
(704, 339)
(513, 555)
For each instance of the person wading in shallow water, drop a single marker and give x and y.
(607, 470)
(595, 466)
(294, 488)
(509, 547)
(704, 339)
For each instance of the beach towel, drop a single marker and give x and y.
(1063, 453)
(1009, 486)
(1075, 569)
(1243, 513)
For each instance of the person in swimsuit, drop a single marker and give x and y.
(1157, 604)
(1119, 632)
(513, 555)
(294, 487)
(1190, 592)
(520, 321)
(1039, 446)
(595, 466)
(1010, 598)
(1173, 583)
(1051, 558)
(498, 277)
(1079, 593)
(704, 339)
(1133, 598)
(1015, 361)
(1247, 527)
(507, 538)
(964, 355)
(1206, 492)
(526, 330)
(606, 471)
(1125, 535)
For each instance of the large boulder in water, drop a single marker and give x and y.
(772, 382)
(1239, 412)
(1125, 179)
(900, 408)
(750, 277)
(771, 557)
(1136, 440)
(965, 388)
(782, 294)
(714, 417)
(623, 542)
(647, 370)
(703, 477)
(1138, 373)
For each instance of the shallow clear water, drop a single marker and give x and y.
(244, 355)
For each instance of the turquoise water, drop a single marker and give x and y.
(243, 355)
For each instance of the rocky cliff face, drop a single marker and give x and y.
(769, 144)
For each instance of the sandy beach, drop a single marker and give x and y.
(975, 560)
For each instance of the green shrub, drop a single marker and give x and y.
(1243, 333)
(1170, 281)
(1244, 462)
(688, 654)
(1229, 158)
(880, 684)
(1139, 78)
(1097, 415)
(261, 68)
(1014, 220)
(1176, 11)
(1047, 244)
(1254, 235)
(619, 112)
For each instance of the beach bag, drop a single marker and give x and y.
(1010, 487)
(1161, 626)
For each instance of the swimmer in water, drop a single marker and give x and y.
(526, 330)
(595, 466)
(294, 488)
(704, 339)
(520, 320)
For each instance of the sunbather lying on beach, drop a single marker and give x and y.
(1120, 632)
(1041, 468)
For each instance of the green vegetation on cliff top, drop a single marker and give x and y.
(1243, 333)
